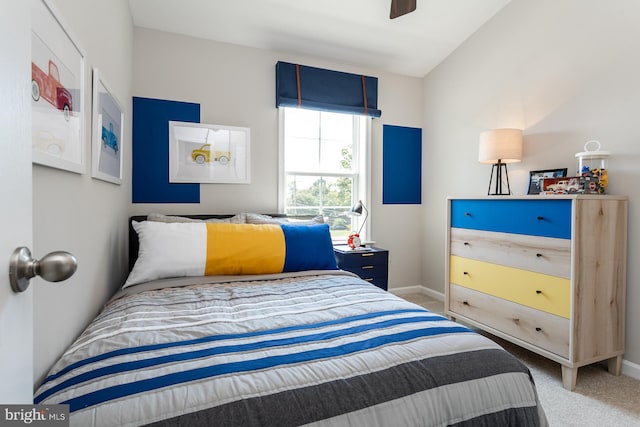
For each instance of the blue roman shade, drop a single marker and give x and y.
(326, 90)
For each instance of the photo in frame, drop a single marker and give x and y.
(536, 178)
(107, 133)
(57, 92)
(208, 153)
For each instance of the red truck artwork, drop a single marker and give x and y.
(48, 86)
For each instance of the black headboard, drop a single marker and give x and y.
(133, 236)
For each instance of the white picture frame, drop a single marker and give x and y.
(209, 153)
(107, 132)
(57, 92)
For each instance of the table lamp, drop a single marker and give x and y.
(354, 238)
(499, 147)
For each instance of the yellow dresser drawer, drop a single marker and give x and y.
(546, 255)
(540, 291)
(544, 330)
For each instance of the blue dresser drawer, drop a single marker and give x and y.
(546, 218)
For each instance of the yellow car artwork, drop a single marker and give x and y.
(205, 155)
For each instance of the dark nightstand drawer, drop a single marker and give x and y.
(371, 264)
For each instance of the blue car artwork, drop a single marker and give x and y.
(109, 138)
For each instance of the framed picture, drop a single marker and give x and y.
(107, 133)
(202, 153)
(535, 178)
(57, 92)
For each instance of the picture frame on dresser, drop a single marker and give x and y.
(536, 177)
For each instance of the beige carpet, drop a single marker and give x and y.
(600, 399)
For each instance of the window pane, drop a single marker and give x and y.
(336, 126)
(335, 156)
(336, 132)
(303, 195)
(302, 123)
(327, 196)
(302, 155)
(337, 204)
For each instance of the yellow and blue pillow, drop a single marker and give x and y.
(208, 249)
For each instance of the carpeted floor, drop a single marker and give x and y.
(600, 399)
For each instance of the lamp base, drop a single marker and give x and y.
(498, 190)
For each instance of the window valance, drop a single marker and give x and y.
(326, 90)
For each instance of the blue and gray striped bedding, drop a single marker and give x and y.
(310, 348)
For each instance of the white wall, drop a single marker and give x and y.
(236, 86)
(74, 212)
(565, 72)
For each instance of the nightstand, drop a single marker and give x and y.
(371, 264)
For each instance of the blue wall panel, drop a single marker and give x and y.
(401, 165)
(150, 161)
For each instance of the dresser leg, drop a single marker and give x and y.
(569, 376)
(615, 365)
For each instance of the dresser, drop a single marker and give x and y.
(371, 264)
(547, 273)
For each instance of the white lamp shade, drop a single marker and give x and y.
(500, 144)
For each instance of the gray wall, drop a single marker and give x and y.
(564, 71)
(76, 212)
(236, 86)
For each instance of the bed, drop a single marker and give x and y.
(248, 346)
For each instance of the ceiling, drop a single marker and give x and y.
(354, 32)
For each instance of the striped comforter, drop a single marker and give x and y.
(292, 349)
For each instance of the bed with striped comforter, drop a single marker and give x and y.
(311, 348)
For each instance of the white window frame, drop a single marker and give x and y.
(362, 181)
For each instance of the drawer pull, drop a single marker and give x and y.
(367, 267)
(465, 303)
(465, 273)
(538, 291)
(540, 218)
(367, 254)
(539, 255)
(466, 243)
(538, 329)
(467, 214)
(368, 279)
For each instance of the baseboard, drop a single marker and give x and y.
(629, 369)
(418, 289)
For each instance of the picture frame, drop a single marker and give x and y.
(107, 132)
(209, 153)
(57, 92)
(535, 178)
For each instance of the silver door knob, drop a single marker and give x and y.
(53, 267)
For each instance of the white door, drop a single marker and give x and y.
(16, 310)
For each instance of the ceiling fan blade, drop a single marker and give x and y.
(401, 7)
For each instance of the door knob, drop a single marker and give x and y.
(53, 267)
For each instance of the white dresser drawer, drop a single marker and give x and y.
(546, 255)
(542, 329)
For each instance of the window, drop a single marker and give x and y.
(324, 166)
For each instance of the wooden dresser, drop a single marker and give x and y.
(545, 272)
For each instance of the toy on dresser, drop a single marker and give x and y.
(592, 168)
(592, 175)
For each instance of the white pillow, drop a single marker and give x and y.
(168, 250)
